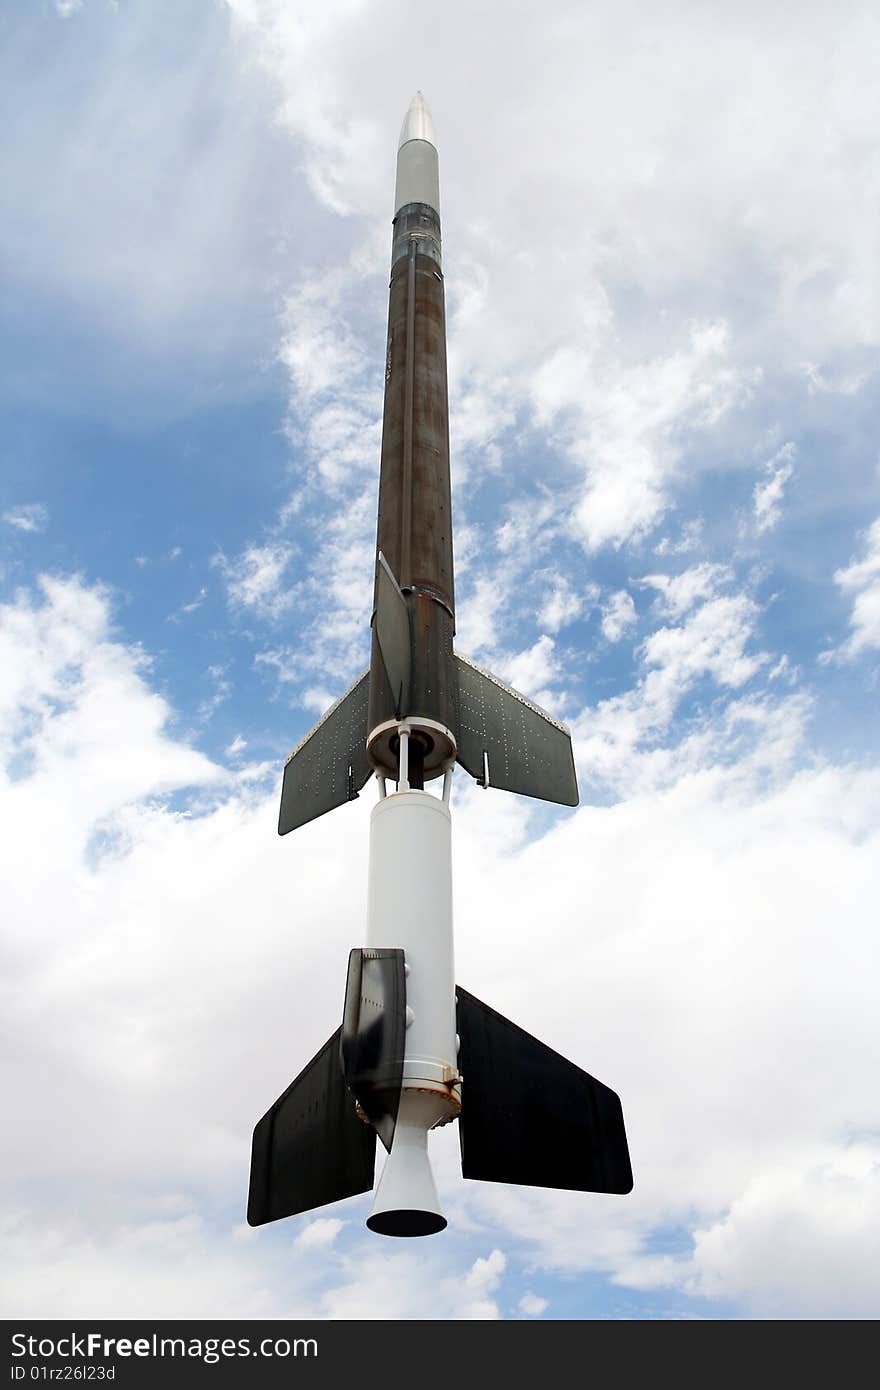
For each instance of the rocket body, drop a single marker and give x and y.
(410, 883)
(415, 1051)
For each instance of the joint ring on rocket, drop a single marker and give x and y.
(418, 223)
(446, 1105)
(427, 1071)
(440, 747)
(442, 1104)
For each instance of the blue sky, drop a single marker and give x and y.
(663, 314)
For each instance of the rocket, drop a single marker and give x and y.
(414, 1050)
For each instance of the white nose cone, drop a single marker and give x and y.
(417, 123)
(418, 168)
(406, 1202)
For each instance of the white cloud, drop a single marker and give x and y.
(619, 741)
(281, 660)
(31, 516)
(784, 670)
(483, 1310)
(110, 904)
(634, 422)
(197, 602)
(840, 380)
(651, 195)
(481, 1282)
(186, 607)
(335, 645)
(477, 616)
(238, 745)
(334, 424)
(862, 580)
(485, 1274)
(319, 1234)
(618, 615)
(160, 1259)
(397, 1283)
(255, 579)
(768, 495)
(532, 670)
(679, 592)
(221, 692)
(140, 1268)
(691, 538)
(562, 604)
(154, 169)
(532, 1306)
(320, 349)
(712, 901)
(712, 642)
(73, 698)
(529, 526)
(308, 52)
(317, 700)
(763, 1250)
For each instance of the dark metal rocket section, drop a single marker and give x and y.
(329, 766)
(310, 1148)
(373, 1035)
(415, 515)
(457, 711)
(531, 1117)
(414, 530)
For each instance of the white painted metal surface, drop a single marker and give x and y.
(418, 176)
(418, 166)
(417, 123)
(406, 1188)
(409, 905)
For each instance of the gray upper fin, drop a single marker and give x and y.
(329, 766)
(506, 741)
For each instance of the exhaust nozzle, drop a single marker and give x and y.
(406, 1202)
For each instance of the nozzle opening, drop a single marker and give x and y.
(407, 1223)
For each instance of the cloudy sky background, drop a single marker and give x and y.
(660, 247)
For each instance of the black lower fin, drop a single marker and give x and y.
(310, 1148)
(530, 1117)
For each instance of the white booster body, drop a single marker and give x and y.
(409, 906)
